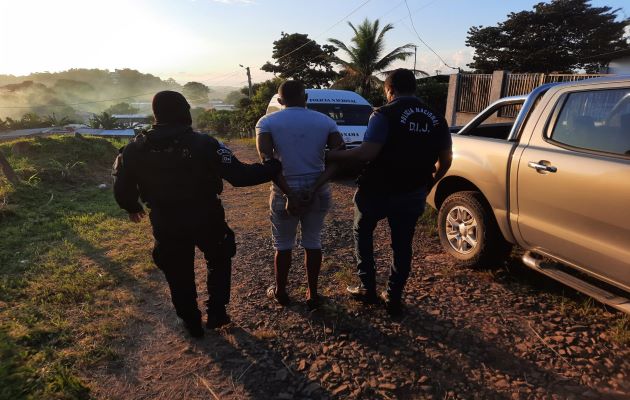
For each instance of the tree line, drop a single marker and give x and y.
(557, 36)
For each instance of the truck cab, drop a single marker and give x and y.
(556, 183)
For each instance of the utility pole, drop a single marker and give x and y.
(415, 54)
(249, 79)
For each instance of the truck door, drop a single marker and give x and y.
(573, 183)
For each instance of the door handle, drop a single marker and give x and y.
(541, 166)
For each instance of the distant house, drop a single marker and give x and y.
(132, 120)
(224, 107)
(620, 64)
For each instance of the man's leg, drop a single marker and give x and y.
(283, 231)
(176, 259)
(367, 213)
(282, 264)
(403, 215)
(312, 223)
(218, 251)
(313, 264)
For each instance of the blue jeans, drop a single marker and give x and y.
(402, 211)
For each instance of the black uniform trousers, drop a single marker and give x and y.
(176, 234)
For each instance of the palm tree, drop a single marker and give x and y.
(103, 120)
(366, 59)
(53, 120)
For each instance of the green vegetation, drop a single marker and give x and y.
(196, 92)
(556, 36)
(298, 57)
(366, 59)
(65, 275)
(242, 121)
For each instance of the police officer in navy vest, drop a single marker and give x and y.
(177, 173)
(404, 143)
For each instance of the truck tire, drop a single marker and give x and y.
(469, 232)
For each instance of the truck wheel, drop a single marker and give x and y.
(469, 232)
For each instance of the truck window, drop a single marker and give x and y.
(344, 114)
(596, 120)
(495, 126)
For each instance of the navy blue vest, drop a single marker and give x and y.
(407, 160)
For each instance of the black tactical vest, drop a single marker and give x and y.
(407, 160)
(175, 169)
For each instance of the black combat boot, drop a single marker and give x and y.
(217, 317)
(194, 328)
(363, 294)
(393, 304)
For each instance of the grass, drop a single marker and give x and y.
(64, 270)
(620, 331)
(428, 221)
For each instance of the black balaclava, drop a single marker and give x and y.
(171, 108)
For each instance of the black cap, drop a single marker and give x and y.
(171, 108)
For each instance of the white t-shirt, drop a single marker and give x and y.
(299, 137)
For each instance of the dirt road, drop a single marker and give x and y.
(503, 333)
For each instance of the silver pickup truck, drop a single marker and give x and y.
(555, 182)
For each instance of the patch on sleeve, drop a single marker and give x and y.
(225, 154)
(118, 163)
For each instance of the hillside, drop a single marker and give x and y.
(78, 92)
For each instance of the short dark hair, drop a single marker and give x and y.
(401, 80)
(291, 91)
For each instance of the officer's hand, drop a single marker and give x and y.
(136, 217)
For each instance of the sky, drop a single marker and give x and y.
(206, 40)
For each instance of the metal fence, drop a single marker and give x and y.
(518, 84)
(474, 92)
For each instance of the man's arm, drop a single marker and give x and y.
(445, 155)
(240, 174)
(373, 141)
(126, 191)
(367, 151)
(445, 159)
(264, 144)
(335, 141)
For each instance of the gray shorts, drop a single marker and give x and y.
(284, 226)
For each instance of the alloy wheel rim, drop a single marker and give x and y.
(461, 230)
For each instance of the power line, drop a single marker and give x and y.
(224, 77)
(422, 41)
(604, 54)
(414, 11)
(326, 31)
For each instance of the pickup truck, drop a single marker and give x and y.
(555, 182)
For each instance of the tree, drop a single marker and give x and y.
(31, 120)
(234, 97)
(122, 108)
(103, 120)
(254, 108)
(196, 92)
(433, 90)
(298, 57)
(54, 120)
(366, 57)
(217, 122)
(559, 36)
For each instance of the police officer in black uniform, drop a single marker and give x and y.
(404, 142)
(178, 173)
